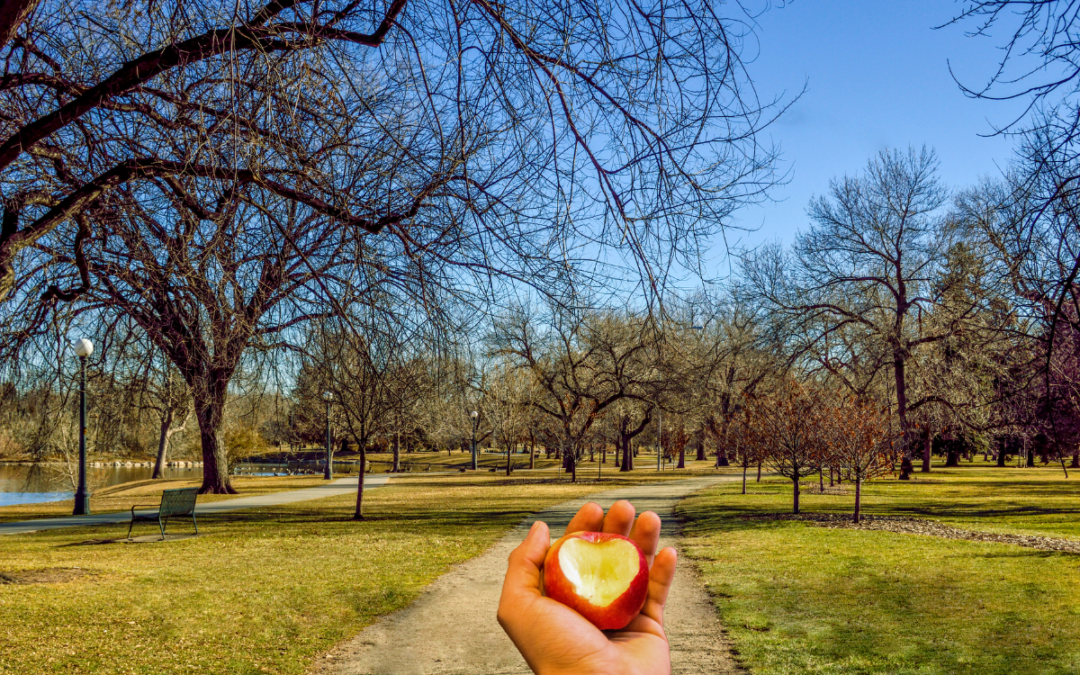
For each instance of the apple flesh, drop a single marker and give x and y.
(604, 577)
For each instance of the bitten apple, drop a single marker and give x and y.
(604, 577)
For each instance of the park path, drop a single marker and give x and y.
(341, 486)
(451, 628)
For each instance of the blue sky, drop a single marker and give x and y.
(878, 77)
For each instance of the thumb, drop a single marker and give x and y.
(523, 571)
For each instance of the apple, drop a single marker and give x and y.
(604, 577)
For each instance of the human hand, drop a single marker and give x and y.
(555, 639)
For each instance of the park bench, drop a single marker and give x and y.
(178, 503)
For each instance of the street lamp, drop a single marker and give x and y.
(328, 471)
(83, 349)
(475, 415)
(660, 443)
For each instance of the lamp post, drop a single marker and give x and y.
(660, 443)
(83, 349)
(475, 415)
(328, 471)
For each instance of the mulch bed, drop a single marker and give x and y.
(927, 528)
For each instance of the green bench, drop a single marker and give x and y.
(178, 503)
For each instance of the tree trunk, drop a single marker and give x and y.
(952, 458)
(209, 411)
(927, 451)
(397, 452)
(858, 496)
(509, 458)
(627, 455)
(821, 479)
(573, 469)
(721, 456)
(1001, 458)
(682, 457)
(359, 513)
(796, 494)
(906, 468)
(163, 442)
(532, 454)
(603, 454)
(759, 472)
(701, 451)
(745, 466)
(1075, 464)
(900, 380)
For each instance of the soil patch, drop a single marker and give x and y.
(46, 575)
(928, 528)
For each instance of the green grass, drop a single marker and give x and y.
(265, 590)
(796, 598)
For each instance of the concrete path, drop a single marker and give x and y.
(451, 628)
(341, 486)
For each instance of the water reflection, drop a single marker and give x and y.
(32, 484)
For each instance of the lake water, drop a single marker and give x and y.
(26, 484)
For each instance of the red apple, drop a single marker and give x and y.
(604, 577)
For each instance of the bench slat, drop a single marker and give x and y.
(178, 502)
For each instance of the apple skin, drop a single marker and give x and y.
(620, 610)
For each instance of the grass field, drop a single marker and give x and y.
(265, 590)
(797, 598)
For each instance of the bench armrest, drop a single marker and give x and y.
(141, 506)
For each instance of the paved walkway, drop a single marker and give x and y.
(451, 628)
(341, 486)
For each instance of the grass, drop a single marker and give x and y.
(796, 598)
(122, 497)
(265, 590)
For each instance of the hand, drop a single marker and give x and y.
(555, 639)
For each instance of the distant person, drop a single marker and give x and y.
(556, 640)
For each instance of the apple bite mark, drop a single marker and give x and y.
(602, 576)
(600, 572)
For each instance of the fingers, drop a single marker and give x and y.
(589, 518)
(646, 534)
(619, 518)
(661, 575)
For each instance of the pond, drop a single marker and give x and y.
(32, 484)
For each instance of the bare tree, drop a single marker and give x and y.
(660, 152)
(869, 264)
(859, 441)
(169, 398)
(507, 402)
(581, 366)
(160, 167)
(788, 426)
